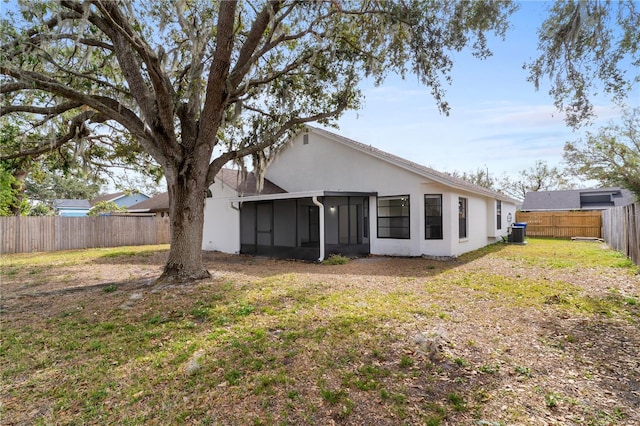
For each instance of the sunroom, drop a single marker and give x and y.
(305, 225)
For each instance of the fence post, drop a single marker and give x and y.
(621, 230)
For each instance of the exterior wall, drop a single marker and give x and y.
(330, 166)
(476, 224)
(323, 164)
(481, 223)
(130, 200)
(221, 221)
(326, 165)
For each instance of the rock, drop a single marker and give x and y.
(433, 345)
(193, 365)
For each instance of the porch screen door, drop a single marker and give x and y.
(264, 224)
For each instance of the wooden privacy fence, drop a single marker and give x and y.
(621, 230)
(52, 233)
(562, 224)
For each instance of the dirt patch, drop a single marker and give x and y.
(494, 338)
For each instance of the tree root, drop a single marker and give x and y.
(173, 276)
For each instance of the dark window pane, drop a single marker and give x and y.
(433, 217)
(462, 217)
(393, 217)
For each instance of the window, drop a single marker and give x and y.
(433, 217)
(462, 217)
(393, 217)
(499, 214)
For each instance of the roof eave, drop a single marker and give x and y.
(410, 168)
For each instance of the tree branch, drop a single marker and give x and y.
(161, 84)
(110, 108)
(242, 68)
(273, 75)
(77, 129)
(54, 110)
(216, 94)
(37, 30)
(260, 24)
(14, 87)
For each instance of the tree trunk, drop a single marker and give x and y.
(186, 213)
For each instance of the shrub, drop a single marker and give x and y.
(335, 259)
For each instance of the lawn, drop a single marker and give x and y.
(545, 333)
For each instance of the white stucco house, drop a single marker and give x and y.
(326, 194)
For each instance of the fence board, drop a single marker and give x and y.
(562, 224)
(163, 230)
(621, 230)
(52, 233)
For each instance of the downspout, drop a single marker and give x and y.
(240, 226)
(321, 206)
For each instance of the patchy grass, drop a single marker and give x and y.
(551, 326)
(565, 254)
(74, 257)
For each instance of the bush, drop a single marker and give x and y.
(105, 207)
(335, 259)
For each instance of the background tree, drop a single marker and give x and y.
(539, 177)
(585, 48)
(10, 202)
(187, 79)
(77, 169)
(45, 185)
(40, 209)
(611, 155)
(105, 207)
(480, 177)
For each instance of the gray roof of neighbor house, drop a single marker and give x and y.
(247, 185)
(63, 203)
(230, 177)
(577, 199)
(157, 203)
(443, 178)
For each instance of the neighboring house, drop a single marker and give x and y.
(122, 199)
(65, 207)
(74, 208)
(327, 194)
(577, 199)
(158, 204)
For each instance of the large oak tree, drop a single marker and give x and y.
(611, 155)
(200, 83)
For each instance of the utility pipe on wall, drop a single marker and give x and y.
(321, 207)
(239, 226)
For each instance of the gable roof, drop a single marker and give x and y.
(230, 177)
(157, 203)
(248, 186)
(114, 196)
(65, 203)
(440, 177)
(577, 199)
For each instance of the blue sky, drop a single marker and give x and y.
(497, 120)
